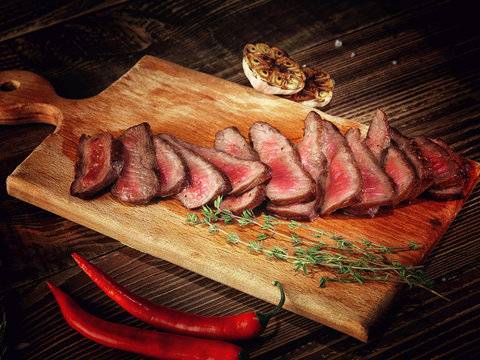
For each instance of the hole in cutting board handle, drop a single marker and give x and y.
(10, 85)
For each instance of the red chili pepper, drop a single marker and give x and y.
(149, 343)
(232, 328)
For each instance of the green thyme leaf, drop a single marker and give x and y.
(349, 261)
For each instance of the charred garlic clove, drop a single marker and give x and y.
(318, 90)
(270, 70)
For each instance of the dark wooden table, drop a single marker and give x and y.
(417, 60)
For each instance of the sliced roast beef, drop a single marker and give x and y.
(390, 157)
(99, 163)
(450, 170)
(174, 172)
(243, 174)
(444, 166)
(454, 192)
(139, 181)
(423, 169)
(232, 141)
(249, 200)
(401, 171)
(379, 136)
(378, 188)
(315, 162)
(344, 182)
(207, 181)
(307, 211)
(311, 152)
(461, 175)
(290, 182)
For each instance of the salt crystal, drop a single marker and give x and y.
(394, 62)
(338, 43)
(352, 54)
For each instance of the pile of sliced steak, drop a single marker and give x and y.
(326, 172)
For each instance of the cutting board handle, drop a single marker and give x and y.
(27, 98)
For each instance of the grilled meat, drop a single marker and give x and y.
(139, 181)
(344, 183)
(290, 182)
(401, 171)
(249, 200)
(390, 157)
(450, 170)
(378, 188)
(99, 163)
(174, 172)
(207, 181)
(423, 169)
(231, 141)
(243, 174)
(315, 162)
(324, 173)
(379, 136)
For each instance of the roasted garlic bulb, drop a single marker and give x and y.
(271, 71)
(318, 90)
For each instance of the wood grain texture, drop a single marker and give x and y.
(23, 18)
(195, 106)
(432, 88)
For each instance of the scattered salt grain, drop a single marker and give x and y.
(394, 62)
(352, 54)
(338, 43)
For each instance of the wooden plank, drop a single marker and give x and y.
(74, 54)
(194, 106)
(24, 17)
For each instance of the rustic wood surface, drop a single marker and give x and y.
(416, 60)
(195, 106)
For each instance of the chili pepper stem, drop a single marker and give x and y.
(264, 318)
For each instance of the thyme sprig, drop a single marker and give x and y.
(352, 261)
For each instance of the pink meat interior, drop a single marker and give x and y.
(96, 162)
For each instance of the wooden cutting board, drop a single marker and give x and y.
(194, 106)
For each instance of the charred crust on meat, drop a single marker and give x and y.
(92, 177)
(139, 181)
